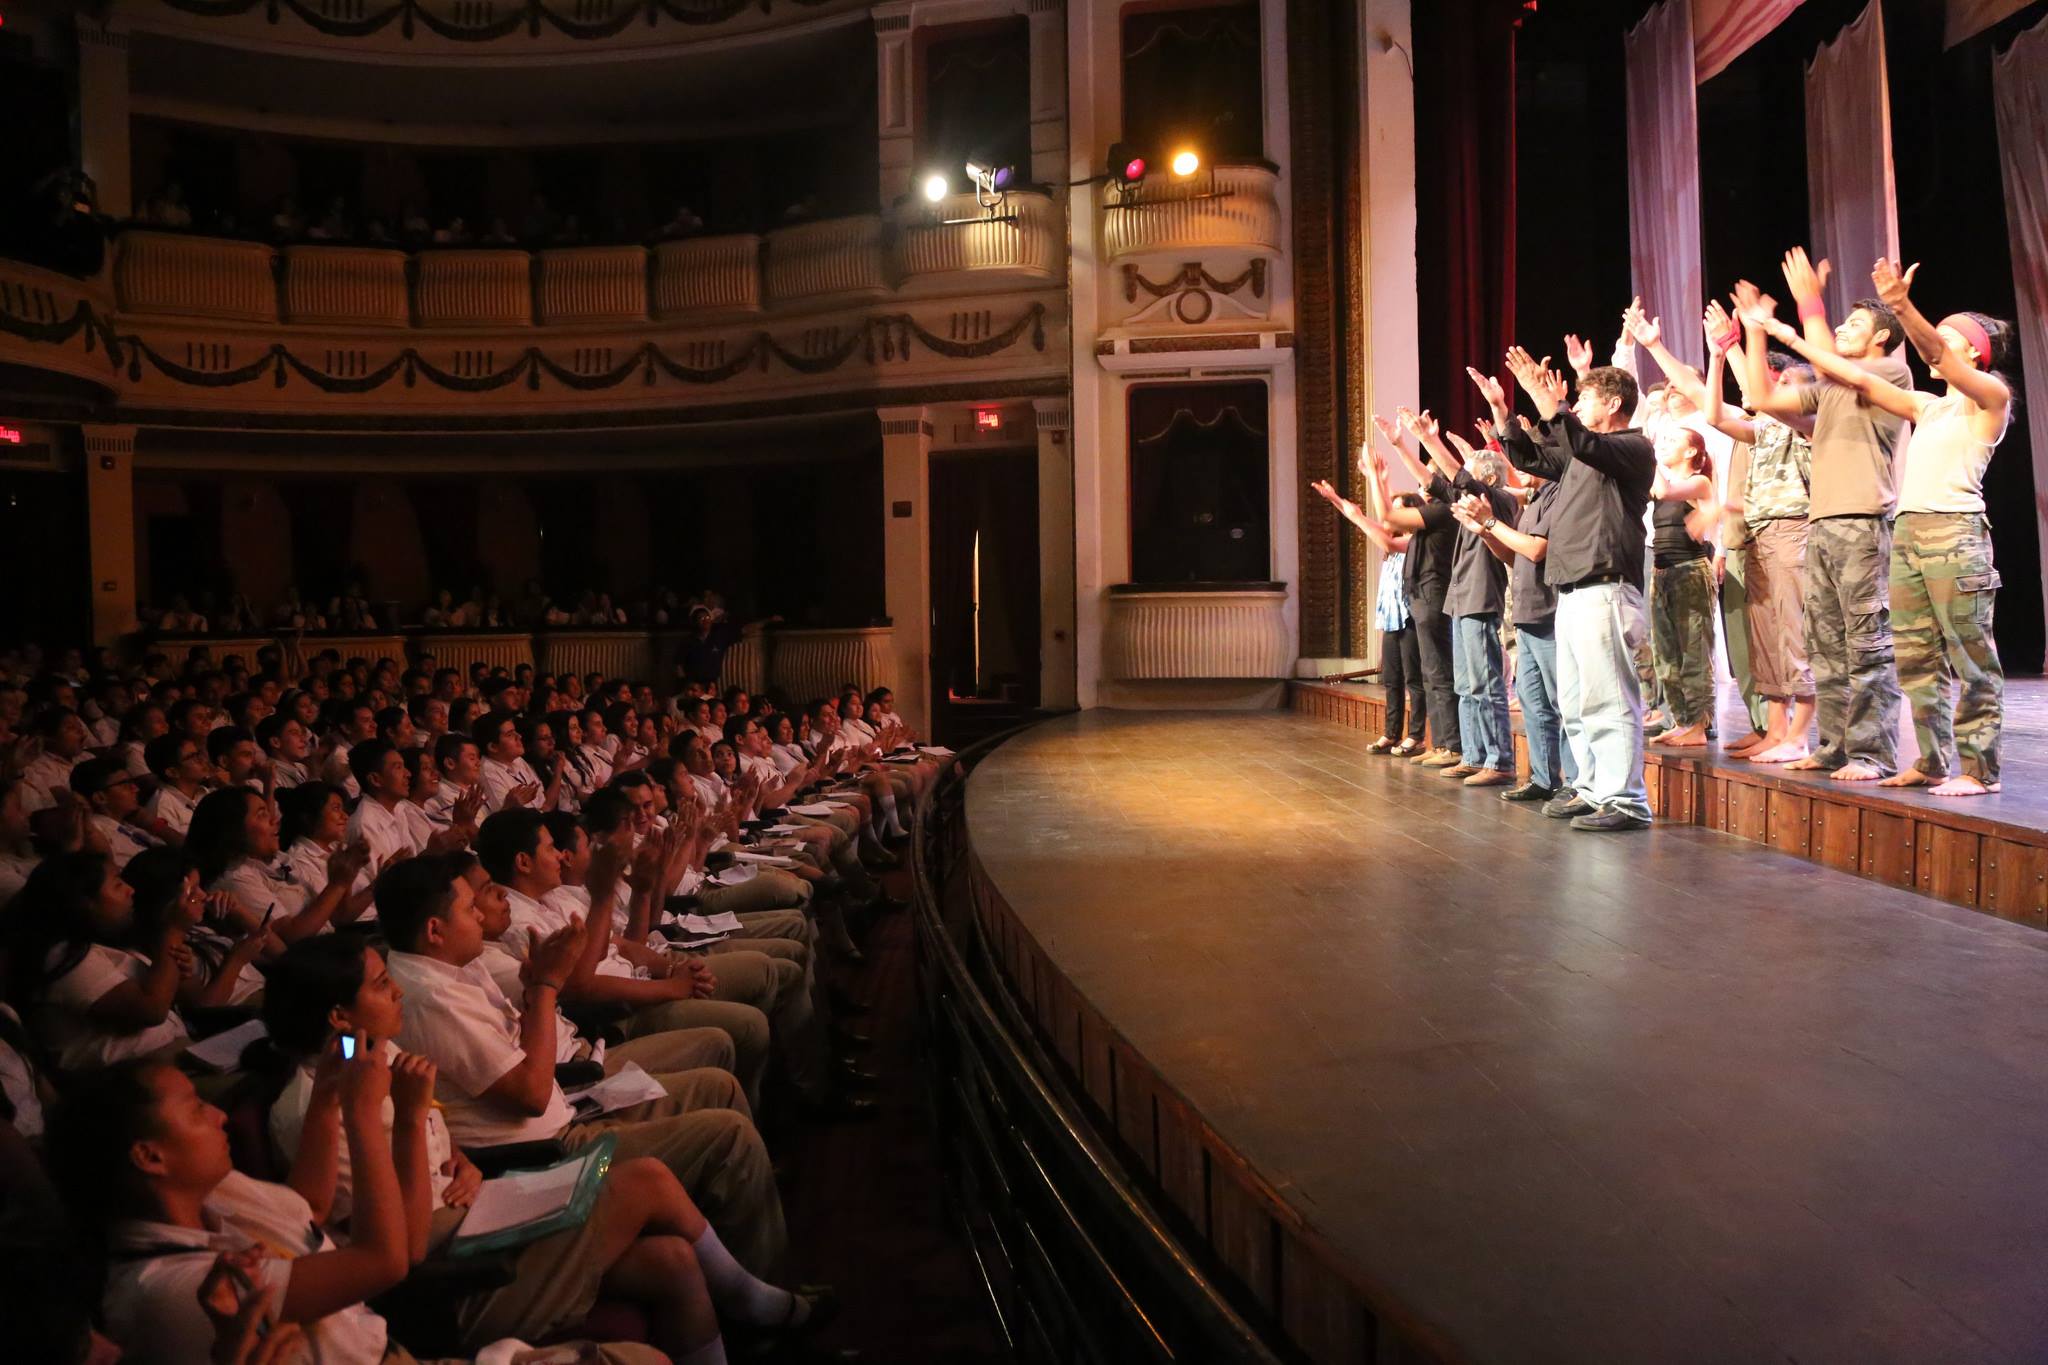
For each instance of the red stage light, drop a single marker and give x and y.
(1134, 169)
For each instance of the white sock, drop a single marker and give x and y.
(737, 1292)
(889, 820)
(711, 1352)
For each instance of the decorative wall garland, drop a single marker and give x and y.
(530, 15)
(884, 335)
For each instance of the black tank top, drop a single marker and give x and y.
(1669, 540)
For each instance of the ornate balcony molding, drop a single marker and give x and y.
(1022, 240)
(1170, 634)
(163, 272)
(410, 27)
(1230, 207)
(840, 258)
(707, 277)
(352, 286)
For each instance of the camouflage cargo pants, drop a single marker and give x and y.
(1682, 625)
(1849, 641)
(1943, 589)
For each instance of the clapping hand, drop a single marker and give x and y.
(1718, 326)
(1892, 285)
(1646, 330)
(1490, 389)
(1578, 353)
(1806, 281)
(1421, 423)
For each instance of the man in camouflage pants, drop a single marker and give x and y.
(1943, 588)
(1849, 642)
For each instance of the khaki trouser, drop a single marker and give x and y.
(800, 1010)
(690, 1035)
(1775, 567)
(714, 1151)
(1944, 588)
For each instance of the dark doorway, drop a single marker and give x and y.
(984, 576)
(43, 552)
(1199, 476)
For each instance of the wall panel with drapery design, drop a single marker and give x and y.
(1200, 484)
(1192, 78)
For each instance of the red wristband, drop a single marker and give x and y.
(1812, 308)
(1729, 339)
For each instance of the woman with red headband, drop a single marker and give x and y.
(1943, 583)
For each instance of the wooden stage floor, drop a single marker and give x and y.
(1544, 1096)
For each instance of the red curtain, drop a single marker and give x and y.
(1465, 196)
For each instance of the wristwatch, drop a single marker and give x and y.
(1489, 524)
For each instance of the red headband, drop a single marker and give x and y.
(1973, 332)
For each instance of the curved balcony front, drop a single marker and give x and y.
(185, 324)
(475, 30)
(1232, 207)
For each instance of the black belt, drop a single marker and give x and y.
(1592, 580)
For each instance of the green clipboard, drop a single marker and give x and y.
(595, 1161)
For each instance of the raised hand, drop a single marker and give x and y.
(1330, 495)
(1550, 391)
(364, 1083)
(1892, 285)
(1647, 331)
(1720, 329)
(1461, 445)
(1421, 423)
(1388, 429)
(552, 958)
(1490, 389)
(1806, 280)
(412, 1086)
(1752, 305)
(1578, 352)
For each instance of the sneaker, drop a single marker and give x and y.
(1528, 791)
(1459, 770)
(1567, 805)
(1609, 818)
(1489, 777)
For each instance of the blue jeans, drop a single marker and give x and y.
(1483, 692)
(1599, 627)
(1550, 760)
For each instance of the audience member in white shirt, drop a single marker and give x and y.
(17, 847)
(497, 1061)
(237, 761)
(458, 764)
(234, 842)
(224, 939)
(180, 766)
(313, 826)
(63, 738)
(287, 746)
(507, 779)
(90, 1001)
(111, 803)
(147, 1158)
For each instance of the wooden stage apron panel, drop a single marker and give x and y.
(1665, 1096)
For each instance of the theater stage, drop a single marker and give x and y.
(1415, 1061)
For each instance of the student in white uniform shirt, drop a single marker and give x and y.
(313, 824)
(288, 747)
(458, 766)
(390, 824)
(507, 779)
(665, 992)
(234, 841)
(351, 722)
(89, 1001)
(181, 770)
(497, 1061)
(329, 988)
(111, 804)
(237, 760)
(145, 1158)
(143, 723)
(63, 737)
(224, 939)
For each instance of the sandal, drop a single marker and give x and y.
(1380, 746)
(1406, 748)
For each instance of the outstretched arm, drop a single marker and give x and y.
(1807, 283)
(1649, 334)
(1425, 429)
(1723, 334)
(1893, 399)
(1975, 382)
(1765, 394)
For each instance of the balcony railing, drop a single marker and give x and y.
(1227, 206)
(362, 286)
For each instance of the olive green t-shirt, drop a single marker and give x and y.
(1853, 444)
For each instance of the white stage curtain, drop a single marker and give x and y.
(1725, 29)
(2019, 92)
(1851, 197)
(1965, 19)
(1664, 252)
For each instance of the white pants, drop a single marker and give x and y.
(1599, 629)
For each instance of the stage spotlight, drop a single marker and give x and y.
(935, 187)
(1126, 167)
(1186, 163)
(991, 179)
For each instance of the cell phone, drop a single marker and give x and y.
(348, 1047)
(266, 917)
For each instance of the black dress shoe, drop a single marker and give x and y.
(1528, 791)
(842, 1003)
(1566, 806)
(1609, 819)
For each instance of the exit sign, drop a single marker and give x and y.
(10, 436)
(988, 419)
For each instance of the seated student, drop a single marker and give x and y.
(237, 762)
(390, 825)
(429, 712)
(224, 939)
(507, 778)
(580, 770)
(350, 722)
(497, 1061)
(144, 722)
(234, 841)
(313, 826)
(394, 726)
(146, 1160)
(111, 804)
(666, 992)
(89, 999)
(18, 855)
(644, 1242)
(554, 774)
(287, 746)
(64, 737)
(458, 765)
(179, 765)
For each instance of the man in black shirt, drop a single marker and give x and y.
(1426, 575)
(1594, 559)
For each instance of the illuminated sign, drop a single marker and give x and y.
(988, 419)
(10, 436)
